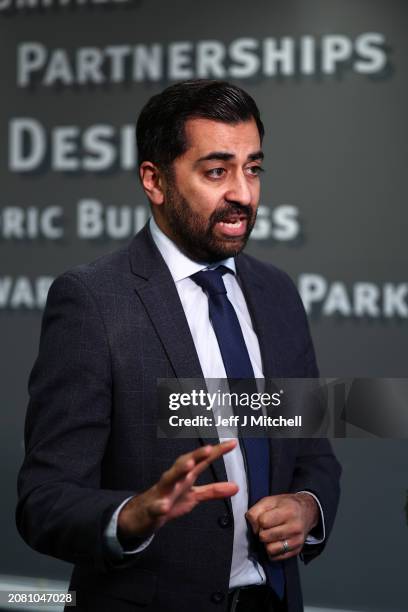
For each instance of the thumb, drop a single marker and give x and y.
(252, 520)
(253, 514)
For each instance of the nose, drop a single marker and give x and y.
(238, 190)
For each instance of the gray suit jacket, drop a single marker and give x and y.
(110, 330)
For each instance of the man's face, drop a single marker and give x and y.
(212, 195)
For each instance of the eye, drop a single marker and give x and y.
(255, 170)
(216, 172)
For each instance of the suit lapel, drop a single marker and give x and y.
(253, 287)
(254, 292)
(157, 291)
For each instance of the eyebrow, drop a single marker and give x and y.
(224, 156)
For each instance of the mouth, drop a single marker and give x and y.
(234, 226)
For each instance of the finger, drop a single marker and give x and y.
(254, 513)
(216, 452)
(278, 534)
(273, 518)
(283, 557)
(181, 468)
(218, 490)
(204, 455)
(277, 552)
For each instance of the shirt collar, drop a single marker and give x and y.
(179, 264)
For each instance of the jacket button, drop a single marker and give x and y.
(224, 520)
(217, 597)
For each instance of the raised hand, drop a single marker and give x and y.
(174, 494)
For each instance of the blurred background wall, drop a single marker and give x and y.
(330, 77)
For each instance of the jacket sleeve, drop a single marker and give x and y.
(62, 508)
(318, 471)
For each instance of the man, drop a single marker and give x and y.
(159, 524)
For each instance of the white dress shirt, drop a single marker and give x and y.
(244, 570)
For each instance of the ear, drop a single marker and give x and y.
(152, 182)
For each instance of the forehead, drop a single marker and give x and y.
(205, 135)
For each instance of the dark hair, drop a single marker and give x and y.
(160, 130)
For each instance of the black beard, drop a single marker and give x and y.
(195, 237)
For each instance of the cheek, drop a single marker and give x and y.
(204, 201)
(256, 192)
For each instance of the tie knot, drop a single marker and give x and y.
(211, 280)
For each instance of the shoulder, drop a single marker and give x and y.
(110, 265)
(89, 291)
(115, 272)
(101, 272)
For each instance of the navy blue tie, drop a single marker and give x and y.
(238, 366)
